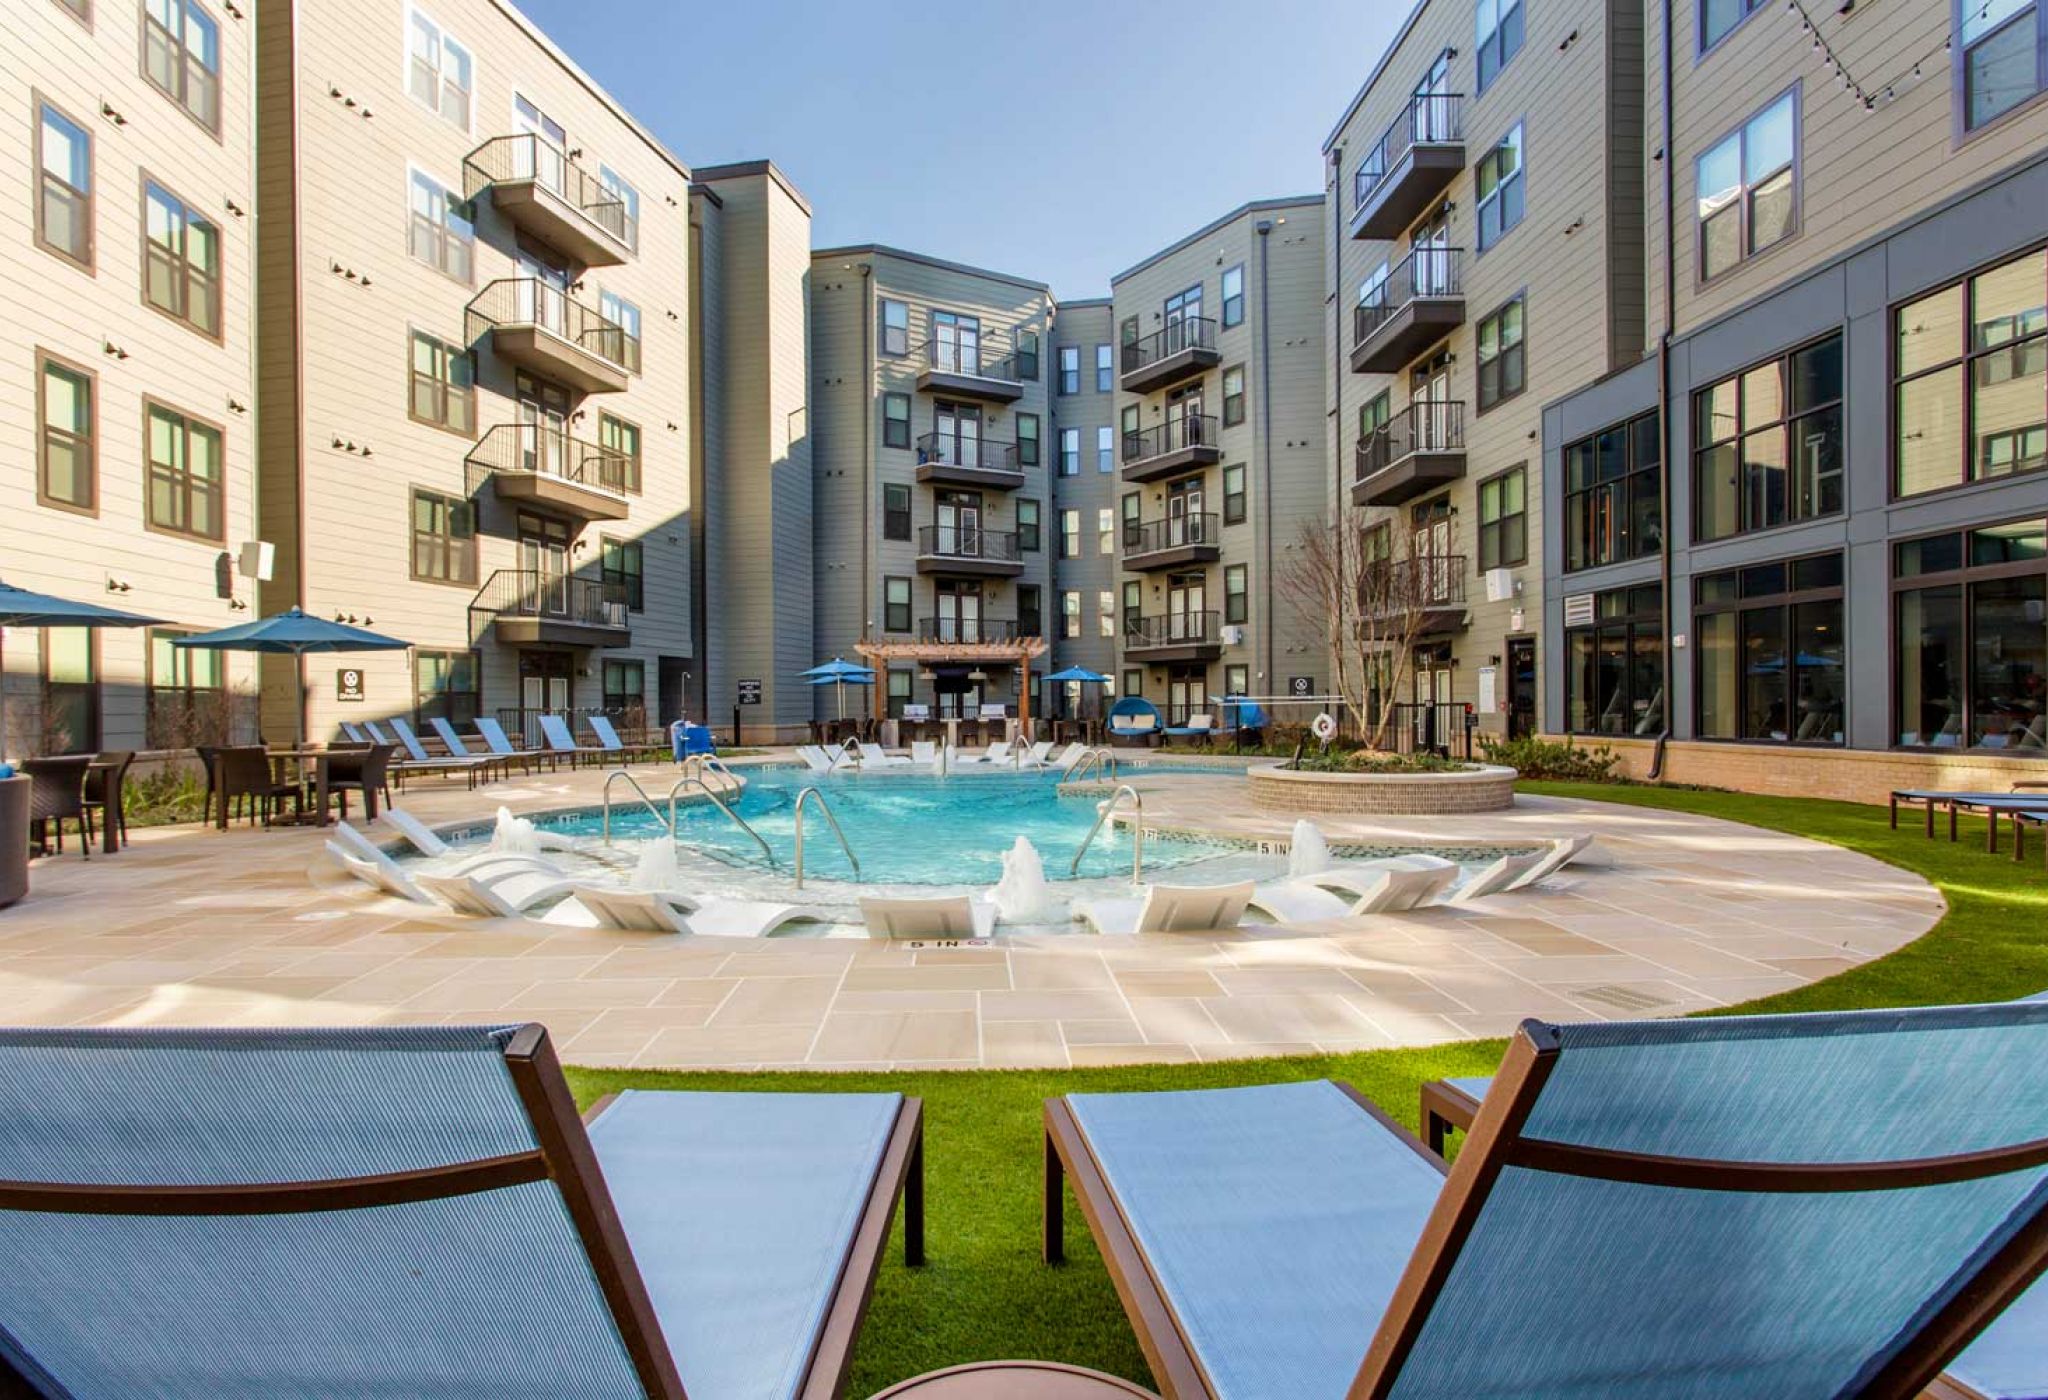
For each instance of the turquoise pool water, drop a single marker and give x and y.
(913, 829)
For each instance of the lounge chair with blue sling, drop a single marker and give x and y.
(554, 732)
(608, 740)
(418, 760)
(419, 1211)
(1722, 1209)
(503, 749)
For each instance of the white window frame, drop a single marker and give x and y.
(628, 194)
(1105, 449)
(1485, 34)
(442, 38)
(1743, 198)
(1498, 195)
(415, 171)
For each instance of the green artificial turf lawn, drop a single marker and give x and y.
(984, 1294)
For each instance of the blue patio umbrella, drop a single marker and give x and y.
(1080, 675)
(292, 633)
(19, 607)
(841, 674)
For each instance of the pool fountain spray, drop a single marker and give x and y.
(1021, 896)
(1308, 853)
(657, 868)
(514, 835)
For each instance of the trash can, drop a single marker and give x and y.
(14, 793)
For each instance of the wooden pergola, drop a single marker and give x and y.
(925, 651)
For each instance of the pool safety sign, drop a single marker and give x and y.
(348, 684)
(750, 692)
(1302, 686)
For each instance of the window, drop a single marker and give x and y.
(625, 689)
(1027, 439)
(67, 459)
(1030, 610)
(626, 316)
(1127, 331)
(1070, 451)
(1233, 396)
(899, 691)
(2001, 59)
(895, 420)
(895, 327)
(1611, 510)
(1105, 613)
(1718, 19)
(1971, 398)
(1767, 444)
(620, 440)
(1105, 450)
(186, 474)
(439, 74)
(180, 261)
(1134, 617)
(1070, 534)
(1129, 510)
(1128, 418)
(1105, 532)
(443, 538)
(1970, 639)
(443, 384)
(1746, 195)
(1070, 369)
(1070, 614)
(71, 691)
(1614, 665)
(82, 9)
(1233, 495)
(1236, 593)
(443, 230)
(895, 511)
(1501, 361)
(445, 686)
(621, 214)
(1504, 519)
(1500, 188)
(1499, 24)
(64, 215)
(1768, 652)
(619, 568)
(895, 604)
(1027, 354)
(1103, 369)
(181, 55)
(185, 704)
(1233, 296)
(1134, 682)
(1027, 525)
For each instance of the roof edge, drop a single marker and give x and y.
(1248, 207)
(929, 260)
(595, 88)
(1378, 70)
(741, 169)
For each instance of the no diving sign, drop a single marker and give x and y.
(1301, 687)
(348, 684)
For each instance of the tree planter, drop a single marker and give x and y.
(14, 838)
(1480, 788)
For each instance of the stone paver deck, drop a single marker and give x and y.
(192, 926)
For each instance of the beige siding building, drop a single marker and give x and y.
(1084, 618)
(127, 422)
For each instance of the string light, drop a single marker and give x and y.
(1879, 94)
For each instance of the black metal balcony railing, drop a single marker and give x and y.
(1430, 119)
(536, 449)
(528, 301)
(579, 602)
(1425, 272)
(1419, 583)
(1172, 630)
(504, 159)
(980, 356)
(1174, 532)
(1428, 425)
(968, 629)
(952, 450)
(1182, 430)
(967, 542)
(1188, 333)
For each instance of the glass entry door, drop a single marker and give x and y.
(543, 293)
(544, 560)
(544, 688)
(1432, 110)
(956, 343)
(1187, 694)
(959, 611)
(544, 416)
(544, 157)
(957, 435)
(1432, 550)
(1184, 514)
(959, 523)
(1186, 600)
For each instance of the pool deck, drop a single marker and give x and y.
(191, 926)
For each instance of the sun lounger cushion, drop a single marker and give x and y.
(1297, 902)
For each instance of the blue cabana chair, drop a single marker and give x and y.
(1244, 718)
(1721, 1209)
(250, 1215)
(1135, 720)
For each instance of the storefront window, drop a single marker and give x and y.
(1970, 639)
(1768, 644)
(1614, 669)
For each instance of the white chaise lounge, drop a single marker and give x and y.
(1168, 909)
(665, 911)
(942, 916)
(503, 888)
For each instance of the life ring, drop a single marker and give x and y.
(1324, 725)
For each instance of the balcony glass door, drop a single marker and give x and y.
(544, 559)
(956, 343)
(1429, 389)
(959, 524)
(1184, 412)
(543, 293)
(959, 612)
(1184, 514)
(958, 432)
(1429, 250)
(543, 688)
(544, 426)
(1436, 569)
(544, 158)
(1182, 311)
(1432, 119)
(1186, 600)
(1187, 694)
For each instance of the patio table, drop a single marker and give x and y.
(306, 756)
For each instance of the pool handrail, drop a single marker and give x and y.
(691, 780)
(1099, 760)
(645, 801)
(1137, 830)
(806, 795)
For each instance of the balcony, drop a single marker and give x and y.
(1421, 302)
(1172, 542)
(526, 607)
(1187, 636)
(968, 631)
(968, 552)
(1412, 163)
(1417, 450)
(1428, 589)
(947, 459)
(969, 367)
(1184, 349)
(1182, 443)
(544, 329)
(534, 465)
(537, 189)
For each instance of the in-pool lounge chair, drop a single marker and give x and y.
(1501, 875)
(1774, 1207)
(419, 1211)
(1036, 755)
(668, 911)
(418, 834)
(940, 916)
(1168, 909)
(497, 887)
(924, 753)
(1297, 902)
(608, 741)
(1562, 852)
(1390, 886)
(554, 731)
(997, 753)
(502, 748)
(371, 866)
(875, 756)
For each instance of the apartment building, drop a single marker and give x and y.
(126, 424)
(474, 327)
(1219, 460)
(1845, 589)
(1085, 617)
(1486, 237)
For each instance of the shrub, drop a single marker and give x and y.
(1563, 762)
(1375, 761)
(164, 796)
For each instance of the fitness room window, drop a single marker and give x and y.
(1970, 639)
(1614, 671)
(1769, 646)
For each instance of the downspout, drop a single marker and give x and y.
(1266, 620)
(1336, 426)
(867, 455)
(1664, 451)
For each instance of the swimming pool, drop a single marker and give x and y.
(905, 828)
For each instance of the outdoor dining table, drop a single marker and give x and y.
(305, 756)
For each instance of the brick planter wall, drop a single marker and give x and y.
(1845, 775)
(1480, 789)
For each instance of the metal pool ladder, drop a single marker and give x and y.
(1137, 831)
(801, 798)
(1099, 760)
(645, 801)
(689, 780)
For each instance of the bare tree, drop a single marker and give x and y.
(1378, 595)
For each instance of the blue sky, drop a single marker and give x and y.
(1058, 139)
